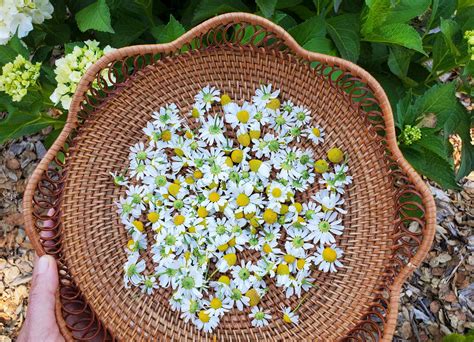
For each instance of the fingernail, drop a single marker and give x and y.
(43, 264)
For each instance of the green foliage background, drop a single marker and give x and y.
(406, 44)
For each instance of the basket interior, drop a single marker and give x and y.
(93, 238)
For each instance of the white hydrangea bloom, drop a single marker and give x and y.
(71, 67)
(18, 16)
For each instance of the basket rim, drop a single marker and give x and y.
(288, 40)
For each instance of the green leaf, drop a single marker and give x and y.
(399, 34)
(95, 17)
(267, 7)
(169, 32)
(282, 4)
(17, 46)
(439, 99)
(467, 160)
(399, 61)
(449, 28)
(284, 20)
(431, 141)
(209, 8)
(405, 10)
(443, 59)
(19, 123)
(431, 165)
(440, 9)
(127, 29)
(309, 29)
(321, 45)
(344, 31)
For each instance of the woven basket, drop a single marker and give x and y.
(391, 213)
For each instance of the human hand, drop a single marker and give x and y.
(40, 324)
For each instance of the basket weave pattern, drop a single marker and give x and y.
(384, 240)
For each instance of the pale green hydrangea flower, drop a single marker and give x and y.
(71, 67)
(469, 35)
(410, 134)
(18, 76)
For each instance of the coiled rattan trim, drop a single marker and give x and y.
(75, 317)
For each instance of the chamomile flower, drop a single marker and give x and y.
(133, 269)
(206, 321)
(212, 130)
(206, 97)
(302, 116)
(277, 194)
(297, 242)
(325, 227)
(166, 117)
(289, 316)
(190, 283)
(214, 199)
(315, 134)
(259, 317)
(282, 122)
(190, 308)
(264, 95)
(330, 201)
(218, 305)
(237, 298)
(240, 116)
(149, 284)
(328, 258)
(243, 276)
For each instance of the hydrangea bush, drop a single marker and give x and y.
(233, 183)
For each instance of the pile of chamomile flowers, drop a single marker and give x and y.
(224, 178)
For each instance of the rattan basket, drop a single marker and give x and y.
(391, 213)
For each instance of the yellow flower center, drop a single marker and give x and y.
(195, 113)
(252, 294)
(286, 318)
(224, 279)
(230, 258)
(283, 209)
(237, 156)
(187, 255)
(178, 220)
(242, 200)
(300, 264)
(188, 134)
(335, 155)
(316, 131)
(276, 192)
(202, 212)
(229, 162)
(173, 189)
(329, 255)
(321, 166)
(178, 151)
(197, 174)
(243, 116)
(139, 225)
(255, 164)
(239, 215)
(216, 303)
(166, 135)
(223, 247)
(255, 134)
(298, 207)
(153, 217)
(225, 99)
(273, 104)
(289, 258)
(214, 197)
(192, 229)
(267, 248)
(244, 139)
(204, 316)
(232, 242)
(189, 180)
(269, 216)
(130, 244)
(254, 222)
(283, 269)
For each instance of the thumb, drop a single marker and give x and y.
(43, 291)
